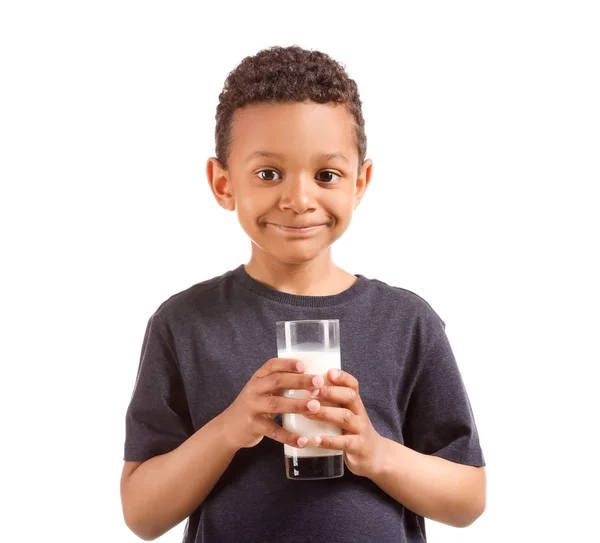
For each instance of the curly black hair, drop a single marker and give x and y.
(287, 74)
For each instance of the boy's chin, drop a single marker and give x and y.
(296, 258)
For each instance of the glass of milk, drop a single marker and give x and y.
(317, 344)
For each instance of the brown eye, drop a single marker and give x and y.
(328, 177)
(268, 175)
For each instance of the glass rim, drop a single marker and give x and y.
(307, 321)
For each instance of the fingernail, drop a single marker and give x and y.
(335, 374)
(299, 366)
(315, 393)
(317, 381)
(302, 441)
(317, 440)
(313, 405)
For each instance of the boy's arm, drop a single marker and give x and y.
(431, 486)
(434, 472)
(159, 493)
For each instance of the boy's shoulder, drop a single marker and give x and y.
(399, 292)
(202, 294)
(401, 299)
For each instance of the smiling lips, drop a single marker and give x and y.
(297, 229)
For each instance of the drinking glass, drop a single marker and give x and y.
(317, 344)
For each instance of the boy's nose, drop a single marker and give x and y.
(298, 194)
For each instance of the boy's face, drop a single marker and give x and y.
(280, 177)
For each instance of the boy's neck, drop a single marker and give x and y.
(319, 277)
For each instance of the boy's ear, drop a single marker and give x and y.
(363, 180)
(218, 179)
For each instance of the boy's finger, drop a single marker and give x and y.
(339, 416)
(344, 396)
(277, 433)
(342, 378)
(346, 443)
(281, 404)
(278, 381)
(279, 364)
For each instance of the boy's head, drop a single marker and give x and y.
(290, 146)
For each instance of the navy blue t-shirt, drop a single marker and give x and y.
(203, 345)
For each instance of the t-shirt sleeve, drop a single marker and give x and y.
(157, 419)
(439, 419)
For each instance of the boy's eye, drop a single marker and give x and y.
(268, 176)
(327, 176)
(324, 176)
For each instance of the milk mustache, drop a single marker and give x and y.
(315, 363)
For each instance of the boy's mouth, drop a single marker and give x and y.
(298, 229)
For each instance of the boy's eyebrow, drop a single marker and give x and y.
(268, 154)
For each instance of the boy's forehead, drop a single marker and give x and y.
(274, 111)
(273, 127)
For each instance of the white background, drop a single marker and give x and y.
(483, 122)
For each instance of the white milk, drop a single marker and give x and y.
(316, 363)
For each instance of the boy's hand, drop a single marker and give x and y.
(250, 417)
(360, 441)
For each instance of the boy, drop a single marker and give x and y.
(203, 439)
